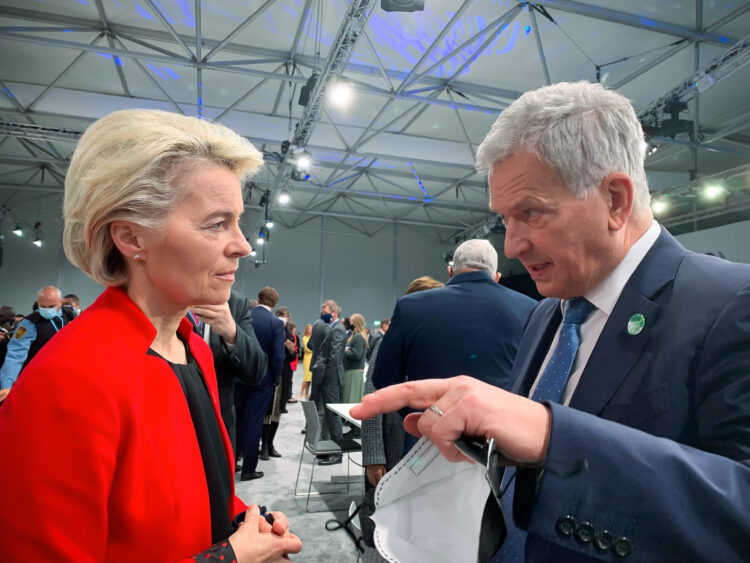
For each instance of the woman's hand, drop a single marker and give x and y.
(470, 407)
(375, 473)
(256, 541)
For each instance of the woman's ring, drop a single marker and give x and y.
(436, 410)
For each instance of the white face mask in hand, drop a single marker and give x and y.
(428, 509)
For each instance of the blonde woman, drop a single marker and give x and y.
(306, 359)
(354, 361)
(118, 449)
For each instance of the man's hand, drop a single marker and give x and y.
(4, 394)
(220, 320)
(375, 473)
(470, 407)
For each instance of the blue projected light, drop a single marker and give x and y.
(187, 14)
(143, 12)
(409, 39)
(171, 73)
(156, 71)
(527, 29)
(421, 185)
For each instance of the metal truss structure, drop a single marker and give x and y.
(429, 86)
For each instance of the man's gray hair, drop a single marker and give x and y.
(583, 131)
(477, 254)
(48, 289)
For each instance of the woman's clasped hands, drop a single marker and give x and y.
(257, 541)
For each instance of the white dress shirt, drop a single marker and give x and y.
(604, 297)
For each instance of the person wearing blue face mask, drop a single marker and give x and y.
(32, 333)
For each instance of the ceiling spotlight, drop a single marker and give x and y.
(37, 242)
(712, 192)
(261, 236)
(659, 206)
(253, 253)
(18, 231)
(340, 94)
(283, 197)
(260, 241)
(304, 162)
(301, 158)
(269, 224)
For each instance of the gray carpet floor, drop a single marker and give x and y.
(275, 490)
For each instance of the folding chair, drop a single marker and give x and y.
(318, 447)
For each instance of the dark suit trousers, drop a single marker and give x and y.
(328, 391)
(286, 384)
(251, 404)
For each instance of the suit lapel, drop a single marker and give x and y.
(617, 350)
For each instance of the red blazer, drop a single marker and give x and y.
(99, 456)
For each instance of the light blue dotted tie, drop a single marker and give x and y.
(550, 388)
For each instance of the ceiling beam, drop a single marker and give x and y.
(634, 20)
(304, 60)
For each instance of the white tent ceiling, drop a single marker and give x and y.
(428, 86)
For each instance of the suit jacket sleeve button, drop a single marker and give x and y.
(603, 540)
(623, 547)
(566, 525)
(585, 532)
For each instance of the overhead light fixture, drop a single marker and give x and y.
(37, 230)
(402, 5)
(253, 253)
(340, 94)
(660, 206)
(18, 231)
(262, 236)
(269, 223)
(304, 162)
(302, 159)
(713, 192)
(283, 197)
(306, 90)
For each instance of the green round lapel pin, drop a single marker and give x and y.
(636, 324)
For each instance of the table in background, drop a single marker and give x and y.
(342, 409)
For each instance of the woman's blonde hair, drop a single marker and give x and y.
(422, 284)
(125, 168)
(358, 326)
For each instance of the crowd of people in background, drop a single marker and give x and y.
(619, 404)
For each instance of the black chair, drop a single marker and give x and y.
(317, 447)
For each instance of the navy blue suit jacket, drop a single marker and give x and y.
(662, 418)
(471, 326)
(270, 333)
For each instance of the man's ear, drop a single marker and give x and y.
(127, 237)
(618, 192)
(450, 271)
(497, 277)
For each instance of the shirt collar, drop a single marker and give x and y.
(605, 295)
(266, 307)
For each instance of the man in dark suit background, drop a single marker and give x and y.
(252, 401)
(228, 329)
(317, 335)
(327, 377)
(470, 326)
(632, 379)
(376, 336)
